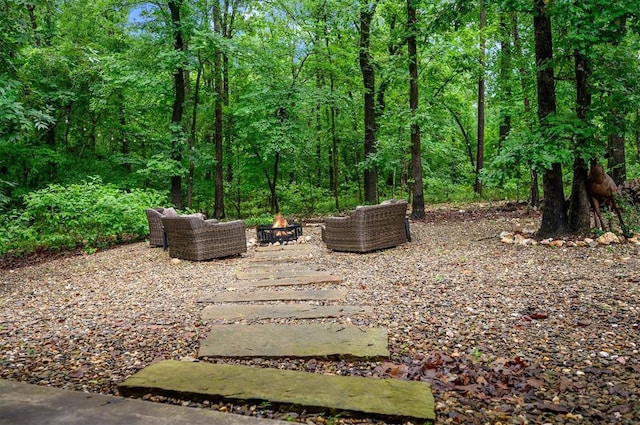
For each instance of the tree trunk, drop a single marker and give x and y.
(505, 78)
(333, 154)
(554, 213)
(192, 137)
(417, 206)
(517, 46)
(218, 207)
(333, 172)
(367, 11)
(617, 163)
(580, 207)
(178, 102)
(481, 95)
(275, 207)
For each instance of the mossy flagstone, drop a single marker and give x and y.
(281, 311)
(276, 274)
(301, 280)
(297, 340)
(297, 295)
(392, 399)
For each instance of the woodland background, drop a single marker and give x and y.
(241, 108)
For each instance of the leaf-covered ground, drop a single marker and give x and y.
(504, 333)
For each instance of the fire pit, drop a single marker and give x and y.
(280, 231)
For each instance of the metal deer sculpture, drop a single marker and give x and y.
(603, 190)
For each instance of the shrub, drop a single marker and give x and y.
(87, 215)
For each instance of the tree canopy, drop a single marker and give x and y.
(244, 107)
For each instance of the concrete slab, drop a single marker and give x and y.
(304, 340)
(26, 404)
(281, 311)
(302, 280)
(279, 274)
(300, 295)
(392, 399)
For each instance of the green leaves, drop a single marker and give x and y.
(87, 215)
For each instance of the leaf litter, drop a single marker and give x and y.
(503, 333)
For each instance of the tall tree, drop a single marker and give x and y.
(554, 213)
(579, 213)
(534, 193)
(367, 10)
(218, 207)
(481, 98)
(178, 101)
(417, 209)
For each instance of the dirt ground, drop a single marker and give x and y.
(505, 333)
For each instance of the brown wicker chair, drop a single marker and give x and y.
(368, 228)
(196, 239)
(156, 231)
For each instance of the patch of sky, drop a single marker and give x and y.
(140, 14)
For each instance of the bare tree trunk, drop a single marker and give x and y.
(178, 102)
(367, 11)
(617, 163)
(481, 97)
(333, 154)
(505, 77)
(417, 206)
(275, 206)
(554, 212)
(218, 207)
(192, 138)
(517, 45)
(580, 207)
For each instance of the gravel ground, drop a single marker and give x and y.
(505, 333)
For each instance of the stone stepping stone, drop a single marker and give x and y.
(275, 255)
(281, 311)
(302, 280)
(334, 340)
(278, 274)
(394, 400)
(266, 267)
(292, 247)
(238, 297)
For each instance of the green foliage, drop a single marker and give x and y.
(16, 118)
(87, 215)
(303, 198)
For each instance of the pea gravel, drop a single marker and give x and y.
(505, 333)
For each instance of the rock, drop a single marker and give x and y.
(608, 238)
(175, 261)
(557, 243)
(507, 237)
(592, 243)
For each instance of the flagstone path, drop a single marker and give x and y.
(274, 267)
(297, 295)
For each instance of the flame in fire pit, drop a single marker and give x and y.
(280, 221)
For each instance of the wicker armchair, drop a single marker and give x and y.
(156, 231)
(196, 239)
(368, 228)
